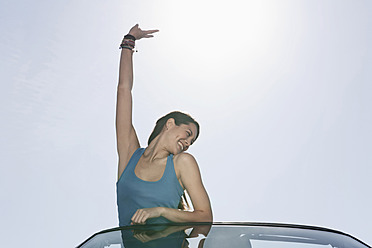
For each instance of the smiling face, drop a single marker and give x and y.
(180, 138)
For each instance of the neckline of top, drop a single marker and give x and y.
(162, 176)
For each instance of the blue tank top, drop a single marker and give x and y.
(134, 193)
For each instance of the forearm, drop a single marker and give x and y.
(177, 215)
(126, 59)
(126, 69)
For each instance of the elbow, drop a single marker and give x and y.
(206, 216)
(124, 87)
(209, 218)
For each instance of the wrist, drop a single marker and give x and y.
(131, 34)
(128, 42)
(162, 211)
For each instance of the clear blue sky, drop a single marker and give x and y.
(282, 90)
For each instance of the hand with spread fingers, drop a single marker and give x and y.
(139, 33)
(141, 215)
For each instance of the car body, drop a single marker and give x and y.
(222, 234)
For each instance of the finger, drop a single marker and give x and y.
(134, 27)
(138, 237)
(139, 216)
(147, 32)
(151, 31)
(146, 238)
(142, 238)
(135, 216)
(144, 217)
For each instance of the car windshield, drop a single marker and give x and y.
(222, 235)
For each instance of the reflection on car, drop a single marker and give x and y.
(230, 235)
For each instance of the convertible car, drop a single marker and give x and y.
(222, 234)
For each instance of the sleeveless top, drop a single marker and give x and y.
(134, 193)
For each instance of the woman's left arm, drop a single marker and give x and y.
(191, 180)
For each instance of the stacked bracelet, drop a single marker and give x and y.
(128, 42)
(130, 37)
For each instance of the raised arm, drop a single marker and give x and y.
(127, 141)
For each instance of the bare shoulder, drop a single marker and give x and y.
(184, 159)
(186, 163)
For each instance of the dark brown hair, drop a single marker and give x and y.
(179, 118)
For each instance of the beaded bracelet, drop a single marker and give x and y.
(130, 37)
(128, 42)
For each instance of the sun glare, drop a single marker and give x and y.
(217, 42)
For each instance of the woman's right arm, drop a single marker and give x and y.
(126, 137)
(127, 141)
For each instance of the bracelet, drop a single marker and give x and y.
(128, 42)
(129, 36)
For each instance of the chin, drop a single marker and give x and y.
(178, 152)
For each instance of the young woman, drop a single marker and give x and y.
(152, 180)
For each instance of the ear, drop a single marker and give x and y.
(170, 123)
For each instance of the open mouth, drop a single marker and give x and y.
(180, 145)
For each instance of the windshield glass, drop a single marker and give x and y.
(230, 236)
